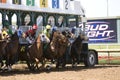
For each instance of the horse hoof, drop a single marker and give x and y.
(5, 68)
(48, 67)
(0, 65)
(74, 65)
(9, 68)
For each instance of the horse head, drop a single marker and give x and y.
(58, 42)
(44, 38)
(14, 36)
(83, 36)
(67, 33)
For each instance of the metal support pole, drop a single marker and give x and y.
(32, 18)
(56, 20)
(3, 17)
(84, 22)
(10, 19)
(19, 23)
(107, 9)
(45, 19)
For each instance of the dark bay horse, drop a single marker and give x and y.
(2, 49)
(11, 50)
(76, 48)
(56, 48)
(35, 53)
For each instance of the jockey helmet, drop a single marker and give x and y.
(73, 30)
(54, 29)
(48, 27)
(34, 26)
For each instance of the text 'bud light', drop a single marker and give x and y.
(99, 31)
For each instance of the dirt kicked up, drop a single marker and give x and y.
(99, 72)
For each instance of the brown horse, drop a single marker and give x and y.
(56, 48)
(76, 48)
(35, 53)
(11, 50)
(2, 47)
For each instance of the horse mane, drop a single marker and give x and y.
(67, 33)
(78, 39)
(59, 42)
(38, 41)
(14, 37)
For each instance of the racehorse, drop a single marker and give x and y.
(35, 53)
(11, 50)
(76, 48)
(32, 53)
(2, 47)
(56, 48)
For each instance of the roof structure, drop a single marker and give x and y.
(49, 6)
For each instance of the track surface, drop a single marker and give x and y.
(99, 72)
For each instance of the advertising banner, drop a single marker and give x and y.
(102, 31)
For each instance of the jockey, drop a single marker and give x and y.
(73, 31)
(30, 34)
(53, 29)
(47, 31)
(20, 32)
(73, 35)
(46, 35)
(6, 31)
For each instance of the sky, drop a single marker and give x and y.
(101, 8)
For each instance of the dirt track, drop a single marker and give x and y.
(99, 72)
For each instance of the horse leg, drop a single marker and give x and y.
(36, 62)
(43, 62)
(77, 56)
(65, 59)
(8, 66)
(74, 62)
(78, 59)
(49, 66)
(59, 62)
(29, 62)
(1, 62)
(10, 63)
(30, 65)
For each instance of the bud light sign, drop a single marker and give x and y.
(101, 31)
